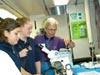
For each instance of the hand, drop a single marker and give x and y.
(23, 52)
(24, 72)
(69, 43)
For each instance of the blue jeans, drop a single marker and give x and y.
(47, 69)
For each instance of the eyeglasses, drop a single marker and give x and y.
(52, 29)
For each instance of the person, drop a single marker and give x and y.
(29, 53)
(9, 57)
(51, 41)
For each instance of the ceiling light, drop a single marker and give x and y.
(5, 14)
(60, 2)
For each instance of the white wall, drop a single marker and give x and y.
(39, 21)
(82, 45)
(62, 30)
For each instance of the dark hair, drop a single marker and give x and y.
(23, 20)
(8, 24)
(42, 31)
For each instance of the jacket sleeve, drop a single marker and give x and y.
(37, 54)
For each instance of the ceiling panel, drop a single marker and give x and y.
(38, 7)
(30, 7)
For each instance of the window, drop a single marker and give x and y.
(6, 14)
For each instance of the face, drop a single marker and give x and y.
(51, 30)
(26, 29)
(12, 36)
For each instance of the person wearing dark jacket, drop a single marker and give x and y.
(29, 53)
(9, 58)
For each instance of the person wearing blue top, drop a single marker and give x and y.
(51, 42)
(29, 53)
(9, 57)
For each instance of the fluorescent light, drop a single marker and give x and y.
(5, 14)
(58, 10)
(60, 2)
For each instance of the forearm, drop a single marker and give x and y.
(38, 67)
(24, 72)
(69, 43)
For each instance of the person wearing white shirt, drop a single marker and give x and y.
(9, 58)
(7, 65)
